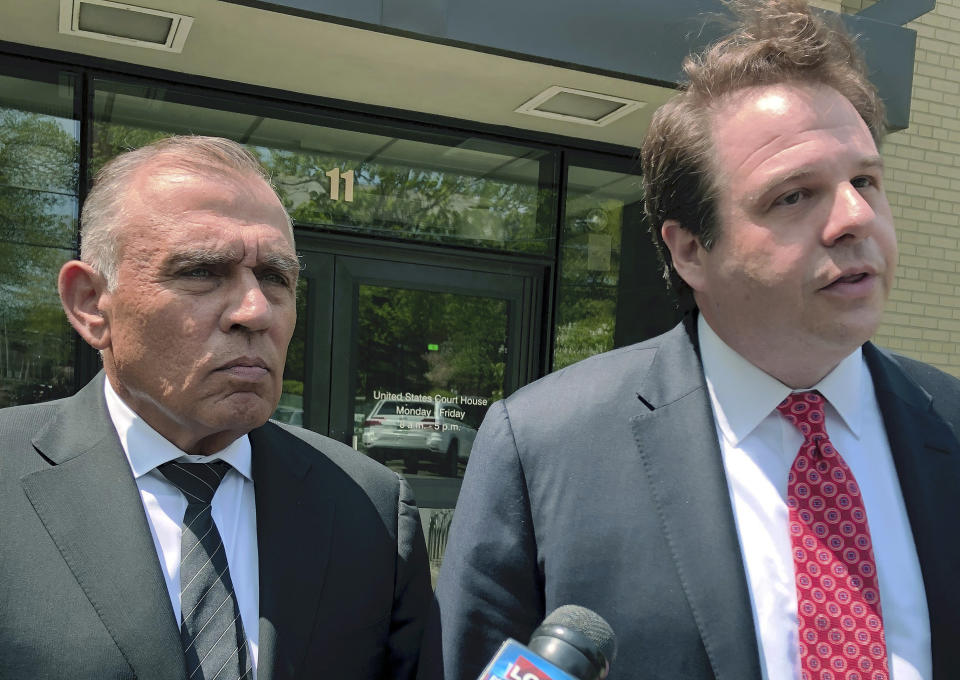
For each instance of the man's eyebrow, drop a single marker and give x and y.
(800, 174)
(199, 258)
(218, 258)
(282, 263)
(872, 163)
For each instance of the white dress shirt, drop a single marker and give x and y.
(758, 447)
(233, 510)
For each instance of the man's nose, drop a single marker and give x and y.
(851, 216)
(247, 307)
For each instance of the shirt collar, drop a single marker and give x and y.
(146, 449)
(743, 395)
(844, 386)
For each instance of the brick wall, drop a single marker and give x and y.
(923, 184)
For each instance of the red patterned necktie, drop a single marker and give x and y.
(838, 600)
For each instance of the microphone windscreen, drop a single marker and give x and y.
(589, 623)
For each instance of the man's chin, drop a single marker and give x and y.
(846, 334)
(243, 410)
(226, 426)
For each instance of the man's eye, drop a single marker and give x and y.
(790, 199)
(197, 273)
(275, 278)
(861, 182)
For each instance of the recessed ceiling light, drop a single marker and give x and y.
(579, 106)
(126, 24)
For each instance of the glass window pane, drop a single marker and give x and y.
(290, 409)
(38, 162)
(36, 342)
(438, 187)
(429, 365)
(38, 223)
(597, 204)
(39, 218)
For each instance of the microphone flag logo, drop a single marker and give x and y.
(515, 662)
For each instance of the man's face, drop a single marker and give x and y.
(204, 306)
(806, 252)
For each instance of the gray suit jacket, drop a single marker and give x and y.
(602, 485)
(344, 584)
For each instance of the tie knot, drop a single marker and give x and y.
(197, 481)
(805, 411)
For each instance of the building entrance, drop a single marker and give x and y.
(400, 354)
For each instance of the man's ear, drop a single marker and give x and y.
(686, 252)
(81, 289)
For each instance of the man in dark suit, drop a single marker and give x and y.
(309, 556)
(689, 488)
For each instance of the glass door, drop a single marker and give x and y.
(402, 359)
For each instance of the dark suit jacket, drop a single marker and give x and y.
(344, 584)
(602, 485)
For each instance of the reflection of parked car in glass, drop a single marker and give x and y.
(411, 430)
(288, 414)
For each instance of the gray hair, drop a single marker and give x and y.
(104, 207)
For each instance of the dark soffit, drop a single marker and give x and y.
(642, 40)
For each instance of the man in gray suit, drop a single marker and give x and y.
(155, 525)
(689, 488)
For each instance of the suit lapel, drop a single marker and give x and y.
(294, 536)
(677, 441)
(925, 452)
(89, 503)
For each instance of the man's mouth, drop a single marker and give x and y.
(851, 278)
(853, 283)
(246, 368)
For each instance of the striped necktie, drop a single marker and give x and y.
(211, 631)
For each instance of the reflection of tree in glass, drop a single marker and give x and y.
(587, 300)
(37, 152)
(472, 360)
(420, 202)
(397, 325)
(38, 180)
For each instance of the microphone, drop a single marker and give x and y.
(573, 643)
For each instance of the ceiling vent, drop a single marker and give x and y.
(125, 24)
(579, 106)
